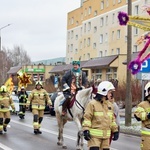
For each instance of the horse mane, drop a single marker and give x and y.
(84, 93)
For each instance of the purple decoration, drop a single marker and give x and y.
(135, 65)
(123, 18)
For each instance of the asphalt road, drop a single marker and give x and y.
(20, 136)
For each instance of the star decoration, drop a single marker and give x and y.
(24, 80)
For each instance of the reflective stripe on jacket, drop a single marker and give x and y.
(99, 119)
(141, 112)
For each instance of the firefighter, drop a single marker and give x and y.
(5, 102)
(99, 120)
(142, 113)
(22, 95)
(38, 99)
(72, 81)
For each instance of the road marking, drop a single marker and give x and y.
(51, 132)
(4, 147)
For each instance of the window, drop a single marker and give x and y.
(76, 50)
(82, 16)
(119, 1)
(106, 20)
(114, 2)
(105, 52)
(135, 48)
(136, 31)
(77, 23)
(118, 34)
(106, 37)
(146, 1)
(81, 31)
(101, 21)
(94, 45)
(81, 45)
(118, 51)
(95, 13)
(100, 53)
(90, 10)
(112, 51)
(113, 18)
(72, 20)
(107, 3)
(89, 26)
(102, 5)
(101, 38)
(112, 35)
(85, 13)
(88, 41)
(68, 35)
(68, 48)
(88, 56)
(71, 48)
(136, 10)
(84, 42)
(72, 34)
(85, 27)
(126, 38)
(95, 29)
(76, 36)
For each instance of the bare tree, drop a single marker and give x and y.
(10, 58)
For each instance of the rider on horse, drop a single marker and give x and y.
(72, 81)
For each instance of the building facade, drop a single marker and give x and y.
(93, 30)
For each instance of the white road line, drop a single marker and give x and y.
(4, 147)
(51, 132)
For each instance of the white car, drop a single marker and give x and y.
(16, 102)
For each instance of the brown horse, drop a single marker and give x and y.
(77, 110)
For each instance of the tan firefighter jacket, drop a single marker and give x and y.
(5, 103)
(99, 119)
(140, 113)
(38, 99)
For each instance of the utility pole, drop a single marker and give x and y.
(128, 100)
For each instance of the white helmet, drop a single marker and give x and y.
(146, 88)
(104, 87)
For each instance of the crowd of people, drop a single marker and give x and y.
(101, 120)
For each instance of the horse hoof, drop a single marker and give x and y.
(64, 147)
(59, 144)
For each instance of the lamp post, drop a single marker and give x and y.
(0, 34)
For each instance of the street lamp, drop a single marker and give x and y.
(0, 33)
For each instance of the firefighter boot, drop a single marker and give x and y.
(39, 132)
(35, 131)
(1, 132)
(5, 128)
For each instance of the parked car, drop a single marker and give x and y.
(16, 102)
(53, 97)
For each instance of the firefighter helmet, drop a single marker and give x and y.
(104, 87)
(38, 83)
(147, 89)
(3, 89)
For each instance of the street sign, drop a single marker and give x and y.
(145, 68)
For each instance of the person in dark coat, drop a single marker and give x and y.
(72, 81)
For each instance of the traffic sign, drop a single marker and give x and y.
(145, 67)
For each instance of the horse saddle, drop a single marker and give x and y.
(68, 102)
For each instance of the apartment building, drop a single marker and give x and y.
(93, 31)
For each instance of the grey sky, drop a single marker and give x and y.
(37, 26)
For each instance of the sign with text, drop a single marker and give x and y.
(145, 68)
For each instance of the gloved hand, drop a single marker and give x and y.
(87, 135)
(148, 115)
(116, 136)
